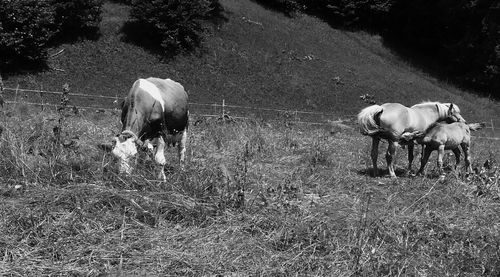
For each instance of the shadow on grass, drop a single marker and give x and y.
(20, 65)
(141, 35)
(382, 172)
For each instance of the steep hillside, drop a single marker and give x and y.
(258, 58)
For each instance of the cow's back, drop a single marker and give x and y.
(176, 103)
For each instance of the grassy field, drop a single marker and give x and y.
(257, 197)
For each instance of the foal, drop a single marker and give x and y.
(442, 136)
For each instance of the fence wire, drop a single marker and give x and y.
(47, 98)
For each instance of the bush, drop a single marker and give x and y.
(177, 25)
(349, 13)
(26, 27)
(77, 17)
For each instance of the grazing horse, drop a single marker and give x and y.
(390, 120)
(442, 136)
(154, 110)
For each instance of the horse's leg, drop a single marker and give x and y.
(160, 158)
(467, 158)
(411, 146)
(426, 153)
(440, 159)
(374, 155)
(456, 151)
(389, 157)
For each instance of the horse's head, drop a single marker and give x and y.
(453, 114)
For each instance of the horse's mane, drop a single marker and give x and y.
(428, 103)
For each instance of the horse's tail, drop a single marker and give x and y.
(476, 126)
(369, 120)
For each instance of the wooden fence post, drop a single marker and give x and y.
(15, 97)
(41, 96)
(492, 128)
(223, 110)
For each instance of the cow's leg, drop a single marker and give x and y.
(467, 158)
(389, 157)
(440, 159)
(411, 147)
(181, 147)
(374, 155)
(426, 153)
(160, 158)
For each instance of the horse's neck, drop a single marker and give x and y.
(431, 113)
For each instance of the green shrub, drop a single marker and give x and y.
(176, 25)
(77, 17)
(26, 27)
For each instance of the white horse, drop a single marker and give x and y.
(390, 120)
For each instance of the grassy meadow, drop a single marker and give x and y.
(257, 197)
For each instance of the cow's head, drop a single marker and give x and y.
(125, 149)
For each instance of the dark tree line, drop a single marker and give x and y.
(463, 36)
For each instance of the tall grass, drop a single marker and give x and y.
(255, 198)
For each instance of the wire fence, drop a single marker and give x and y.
(47, 98)
(79, 101)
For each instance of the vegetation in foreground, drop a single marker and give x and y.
(256, 198)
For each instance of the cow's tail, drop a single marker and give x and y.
(369, 120)
(476, 126)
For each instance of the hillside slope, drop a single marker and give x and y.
(257, 58)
